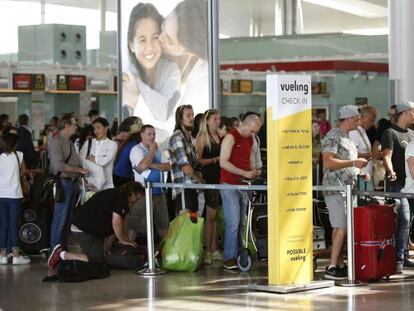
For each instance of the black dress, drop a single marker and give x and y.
(211, 172)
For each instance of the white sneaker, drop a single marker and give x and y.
(21, 260)
(3, 260)
(217, 256)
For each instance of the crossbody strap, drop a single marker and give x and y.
(363, 139)
(88, 152)
(18, 163)
(20, 170)
(68, 158)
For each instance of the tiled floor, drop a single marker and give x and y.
(210, 288)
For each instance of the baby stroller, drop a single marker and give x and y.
(256, 225)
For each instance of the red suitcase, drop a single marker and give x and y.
(374, 229)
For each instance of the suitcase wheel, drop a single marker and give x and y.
(244, 260)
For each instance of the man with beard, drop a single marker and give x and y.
(183, 158)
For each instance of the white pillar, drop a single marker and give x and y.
(279, 28)
(102, 11)
(42, 11)
(288, 17)
(256, 21)
(401, 50)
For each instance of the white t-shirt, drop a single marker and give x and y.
(409, 181)
(104, 152)
(361, 141)
(136, 156)
(10, 187)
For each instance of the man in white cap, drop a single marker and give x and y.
(394, 142)
(341, 166)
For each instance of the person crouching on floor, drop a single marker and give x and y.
(95, 223)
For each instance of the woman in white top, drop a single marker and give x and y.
(11, 166)
(98, 156)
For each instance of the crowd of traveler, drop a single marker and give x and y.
(116, 170)
(380, 155)
(217, 150)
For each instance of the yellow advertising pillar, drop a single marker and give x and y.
(289, 174)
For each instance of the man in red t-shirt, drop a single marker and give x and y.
(235, 165)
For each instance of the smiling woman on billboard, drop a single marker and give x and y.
(166, 64)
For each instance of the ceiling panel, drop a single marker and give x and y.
(235, 16)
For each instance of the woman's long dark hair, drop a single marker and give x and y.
(141, 11)
(133, 137)
(104, 123)
(192, 26)
(9, 142)
(179, 113)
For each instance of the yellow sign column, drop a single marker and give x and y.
(289, 146)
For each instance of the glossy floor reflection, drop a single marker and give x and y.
(210, 288)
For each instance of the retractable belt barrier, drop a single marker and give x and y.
(152, 270)
(396, 195)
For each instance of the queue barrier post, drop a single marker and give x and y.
(151, 270)
(351, 281)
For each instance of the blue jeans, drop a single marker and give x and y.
(234, 212)
(62, 214)
(404, 216)
(10, 211)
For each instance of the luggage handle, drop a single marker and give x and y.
(193, 217)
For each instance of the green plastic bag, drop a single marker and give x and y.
(182, 248)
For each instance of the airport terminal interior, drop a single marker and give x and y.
(84, 60)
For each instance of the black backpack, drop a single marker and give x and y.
(42, 189)
(81, 271)
(125, 257)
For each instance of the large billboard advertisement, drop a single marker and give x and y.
(164, 57)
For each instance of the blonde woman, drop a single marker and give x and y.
(208, 153)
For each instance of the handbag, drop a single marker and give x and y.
(23, 181)
(84, 194)
(96, 176)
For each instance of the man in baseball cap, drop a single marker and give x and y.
(348, 111)
(341, 166)
(404, 106)
(394, 144)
